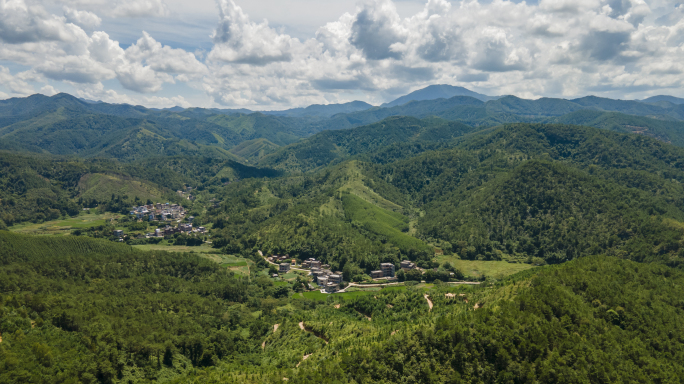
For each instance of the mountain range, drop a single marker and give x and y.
(545, 241)
(65, 125)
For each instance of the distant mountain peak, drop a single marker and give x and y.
(437, 91)
(659, 98)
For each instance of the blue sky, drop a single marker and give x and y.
(268, 54)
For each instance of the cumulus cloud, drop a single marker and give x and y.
(83, 19)
(21, 23)
(15, 84)
(546, 48)
(77, 69)
(377, 30)
(163, 58)
(239, 40)
(141, 78)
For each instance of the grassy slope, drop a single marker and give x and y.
(63, 227)
(101, 187)
(254, 150)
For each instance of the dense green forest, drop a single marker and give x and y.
(85, 310)
(548, 236)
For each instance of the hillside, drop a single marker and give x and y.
(69, 309)
(534, 193)
(330, 147)
(65, 125)
(100, 187)
(253, 150)
(441, 91)
(39, 188)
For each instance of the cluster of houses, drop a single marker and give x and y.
(386, 270)
(160, 212)
(326, 279)
(185, 228)
(330, 281)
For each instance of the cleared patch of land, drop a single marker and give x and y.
(64, 227)
(477, 268)
(101, 186)
(204, 248)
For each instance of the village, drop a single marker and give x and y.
(164, 212)
(329, 281)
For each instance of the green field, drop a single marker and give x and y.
(204, 248)
(232, 263)
(64, 227)
(477, 268)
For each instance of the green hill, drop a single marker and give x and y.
(667, 131)
(73, 308)
(521, 192)
(254, 150)
(330, 147)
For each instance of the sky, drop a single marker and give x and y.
(278, 54)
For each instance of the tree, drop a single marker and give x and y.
(401, 275)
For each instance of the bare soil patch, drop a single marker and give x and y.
(429, 302)
(304, 358)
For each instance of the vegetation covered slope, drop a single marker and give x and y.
(596, 320)
(330, 147)
(553, 192)
(38, 188)
(535, 193)
(71, 311)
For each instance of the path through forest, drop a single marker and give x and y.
(275, 328)
(303, 328)
(304, 358)
(429, 302)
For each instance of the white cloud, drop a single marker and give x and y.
(23, 23)
(14, 84)
(143, 79)
(239, 40)
(84, 19)
(164, 58)
(553, 48)
(48, 90)
(140, 8)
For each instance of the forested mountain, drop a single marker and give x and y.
(37, 188)
(542, 192)
(329, 147)
(440, 91)
(583, 198)
(323, 110)
(65, 125)
(664, 98)
(78, 309)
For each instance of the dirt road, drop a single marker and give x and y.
(429, 302)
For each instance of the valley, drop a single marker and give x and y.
(459, 238)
